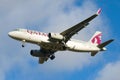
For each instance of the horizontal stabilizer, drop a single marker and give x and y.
(94, 53)
(101, 46)
(105, 43)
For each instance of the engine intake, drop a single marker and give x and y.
(55, 36)
(36, 53)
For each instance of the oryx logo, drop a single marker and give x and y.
(96, 39)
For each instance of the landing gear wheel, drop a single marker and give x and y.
(23, 45)
(52, 57)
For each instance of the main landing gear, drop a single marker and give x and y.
(52, 57)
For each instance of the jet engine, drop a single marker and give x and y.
(36, 53)
(55, 36)
(39, 53)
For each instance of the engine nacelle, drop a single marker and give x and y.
(36, 53)
(55, 36)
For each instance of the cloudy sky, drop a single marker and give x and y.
(16, 63)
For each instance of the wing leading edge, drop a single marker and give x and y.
(75, 29)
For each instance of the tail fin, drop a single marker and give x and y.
(96, 38)
(102, 47)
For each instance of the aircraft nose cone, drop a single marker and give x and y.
(10, 34)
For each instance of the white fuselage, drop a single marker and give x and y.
(42, 40)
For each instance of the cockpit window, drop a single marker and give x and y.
(16, 29)
(20, 30)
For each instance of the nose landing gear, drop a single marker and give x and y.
(23, 43)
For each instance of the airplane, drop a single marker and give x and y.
(52, 42)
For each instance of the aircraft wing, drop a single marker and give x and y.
(75, 29)
(42, 59)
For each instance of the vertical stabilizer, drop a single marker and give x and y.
(96, 38)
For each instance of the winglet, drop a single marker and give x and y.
(99, 11)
